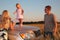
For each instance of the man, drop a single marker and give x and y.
(50, 26)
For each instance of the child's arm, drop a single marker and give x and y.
(22, 11)
(15, 12)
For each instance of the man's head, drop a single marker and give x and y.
(18, 6)
(47, 9)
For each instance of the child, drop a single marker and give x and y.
(50, 26)
(19, 11)
(5, 19)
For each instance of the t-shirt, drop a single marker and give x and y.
(49, 23)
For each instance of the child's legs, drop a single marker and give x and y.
(21, 22)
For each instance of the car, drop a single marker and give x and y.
(26, 33)
(3, 34)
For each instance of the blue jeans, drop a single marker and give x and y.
(50, 34)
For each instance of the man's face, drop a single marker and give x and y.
(47, 10)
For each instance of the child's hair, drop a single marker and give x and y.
(48, 7)
(17, 4)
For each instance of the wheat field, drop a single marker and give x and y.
(41, 26)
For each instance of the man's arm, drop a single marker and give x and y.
(55, 23)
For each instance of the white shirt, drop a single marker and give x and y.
(19, 14)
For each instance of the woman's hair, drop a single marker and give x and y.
(5, 13)
(5, 18)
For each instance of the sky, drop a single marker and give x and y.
(33, 9)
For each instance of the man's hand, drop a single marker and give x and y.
(54, 32)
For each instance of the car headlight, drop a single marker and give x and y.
(28, 35)
(22, 35)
